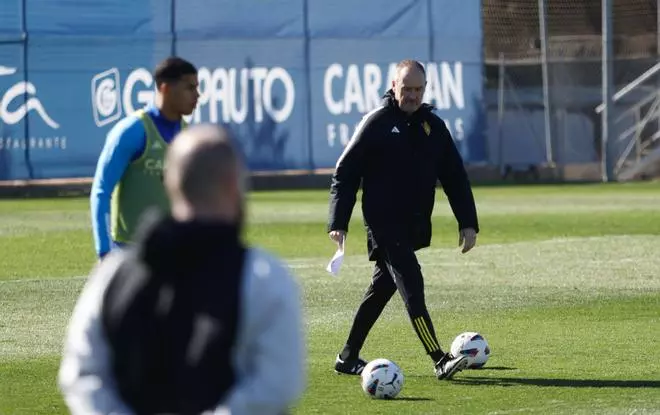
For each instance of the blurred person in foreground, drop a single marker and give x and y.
(188, 320)
(398, 153)
(129, 172)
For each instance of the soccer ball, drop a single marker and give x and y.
(474, 345)
(382, 379)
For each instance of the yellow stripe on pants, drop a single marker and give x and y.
(425, 334)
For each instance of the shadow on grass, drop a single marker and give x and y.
(412, 399)
(468, 371)
(560, 383)
(487, 368)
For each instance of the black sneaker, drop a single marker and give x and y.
(449, 365)
(349, 367)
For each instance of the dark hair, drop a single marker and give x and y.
(411, 63)
(172, 69)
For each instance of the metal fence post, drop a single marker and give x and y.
(500, 115)
(608, 143)
(543, 28)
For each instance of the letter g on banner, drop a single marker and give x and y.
(106, 103)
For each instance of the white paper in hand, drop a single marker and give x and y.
(335, 263)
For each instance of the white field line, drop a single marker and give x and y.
(320, 262)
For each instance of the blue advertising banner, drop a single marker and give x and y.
(353, 67)
(11, 20)
(231, 19)
(291, 79)
(259, 95)
(346, 84)
(252, 76)
(106, 18)
(13, 110)
(84, 87)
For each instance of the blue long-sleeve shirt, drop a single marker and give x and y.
(124, 143)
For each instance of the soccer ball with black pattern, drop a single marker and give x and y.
(474, 345)
(382, 379)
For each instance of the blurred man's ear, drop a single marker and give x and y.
(232, 184)
(163, 88)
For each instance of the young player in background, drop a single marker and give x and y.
(128, 177)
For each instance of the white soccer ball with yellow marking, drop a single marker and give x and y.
(382, 379)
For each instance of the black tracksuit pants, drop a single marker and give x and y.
(396, 269)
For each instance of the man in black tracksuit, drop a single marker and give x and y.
(398, 152)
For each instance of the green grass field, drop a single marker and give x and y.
(564, 284)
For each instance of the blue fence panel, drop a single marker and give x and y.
(222, 19)
(84, 86)
(457, 73)
(381, 19)
(257, 94)
(252, 76)
(12, 91)
(12, 112)
(347, 83)
(290, 77)
(82, 58)
(114, 18)
(11, 20)
(352, 57)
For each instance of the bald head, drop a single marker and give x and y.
(203, 173)
(409, 85)
(409, 64)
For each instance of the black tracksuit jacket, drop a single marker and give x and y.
(398, 159)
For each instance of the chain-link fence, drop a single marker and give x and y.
(521, 133)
